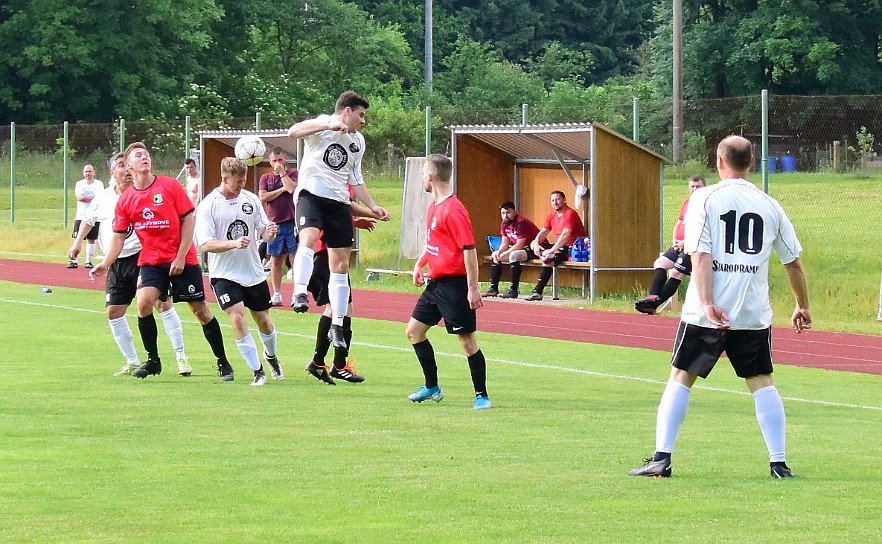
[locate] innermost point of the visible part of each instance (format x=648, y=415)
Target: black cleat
x=492, y=292
x=781, y=471
x=89, y=264
x=347, y=373
x=148, y=368
x=654, y=469
x=225, y=370
x=72, y=264
x=275, y=367
x=648, y=305
x=300, y=303
x=320, y=373
x=337, y=337
x=511, y=293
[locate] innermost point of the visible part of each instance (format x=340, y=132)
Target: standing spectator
x=517, y=233
x=194, y=181
x=674, y=259
x=122, y=276
x=228, y=223
x=566, y=225
x=731, y=230
x=334, y=148
x=85, y=190
x=160, y=213
x=276, y=190
x=452, y=290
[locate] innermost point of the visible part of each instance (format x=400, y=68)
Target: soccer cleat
x=511, y=293
x=654, y=469
x=276, y=300
x=275, y=368
x=259, y=378
x=492, y=292
x=126, y=370
x=337, y=337
x=89, y=264
x=320, y=373
x=184, y=368
x=347, y=373
x=72, y=264
x=148, y=368
x=225, y=370
x=648, y=305
x=482, y=403
x=424, y=393
x=781, y=471
x=300, y=303
x=533, y=296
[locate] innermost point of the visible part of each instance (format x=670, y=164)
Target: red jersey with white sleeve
x=449, y=232
x=680, y=229
x=519, y=229
x=569, y=219
x=155, y=215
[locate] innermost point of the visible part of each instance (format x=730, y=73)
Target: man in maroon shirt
x=517, y=232
x=452, y=291
x=276, y=191
x=160, y=212
x=566, y=225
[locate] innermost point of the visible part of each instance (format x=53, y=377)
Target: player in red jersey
x=160, y=212
x=452, y=290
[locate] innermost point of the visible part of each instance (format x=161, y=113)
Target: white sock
x=338, y=292
x=90, y=252
x=671, y=414
x=773, y=424
x=248, y=349
x=122, y=334
x=269, y=342
x=302, y=268
x=172, y=323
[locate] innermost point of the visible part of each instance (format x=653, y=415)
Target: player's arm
x=537, y=241
x=314, y=126
x=470, y=256
x=802, y=317
x=702, y=275
x=77, y=244
x=362, y=194
x=564, y=235
x=419, y=276
x=188, y=225
x=502, y=251
x=116, y=247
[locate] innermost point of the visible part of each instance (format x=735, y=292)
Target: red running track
x=817, y=349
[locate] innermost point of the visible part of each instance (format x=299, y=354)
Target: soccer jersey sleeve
x=459, y=225
x=697, y=235
x=786, y=245
x=205, y=224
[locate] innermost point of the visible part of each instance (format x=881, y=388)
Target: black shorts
x=93, y=234
x=682, y=261
x=697, y=350
x=447, y=297
x=185, y=287
x=330, y=216
x=230, y=293
x=560, y=257
x=321, y=276
x=122, y=281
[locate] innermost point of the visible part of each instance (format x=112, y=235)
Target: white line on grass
x=490, y=359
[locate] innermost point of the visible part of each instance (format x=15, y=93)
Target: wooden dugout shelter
x=621, y=210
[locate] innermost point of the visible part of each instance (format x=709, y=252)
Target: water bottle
x=586, y=250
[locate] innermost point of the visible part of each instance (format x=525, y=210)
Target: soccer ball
x=250, y=150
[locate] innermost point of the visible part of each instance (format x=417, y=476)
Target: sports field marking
x=489, y=359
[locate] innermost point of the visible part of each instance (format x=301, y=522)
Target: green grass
x=835, y=215
x=87, y=457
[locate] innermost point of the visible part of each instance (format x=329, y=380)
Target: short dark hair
x=278, y=151
x=507, y=206
x=737, y=153
x=350, y=99
x=441, y=165
x=699, y=178
x=561, y=193
x=189, y=161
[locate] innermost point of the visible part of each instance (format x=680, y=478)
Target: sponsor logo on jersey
x=336, y=156
x=353, y=147
x=157, y=199
x=247, y=208
x=147, y=214
x=237, y=229
x=735, y=268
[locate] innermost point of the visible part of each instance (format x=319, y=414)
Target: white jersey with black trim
x=84, y=188
x=222, y=218
x=331, y=162
x=102, y=210
x=739, y=226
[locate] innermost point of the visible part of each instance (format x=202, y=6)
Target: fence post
x=186, y=137
x=837, y=148
x=524, y=111
x=65, y=169
x=635, y=129
x=12, y=172
x=122, y=135
x=428, y=130
x=257, y=121
x=765, y=139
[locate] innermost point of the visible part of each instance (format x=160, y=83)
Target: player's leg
x=187, y=287
x=654, y=299
x=74, y=263
x=120, y=289
x=146, y=298
x=344, y=367
x=495, y=276
x=460, y=319
x=244, y=341
x=171, y=322
x=309, y=221
x=318, y=286
x=515, y=258
x=425, y=353
x=544, y=276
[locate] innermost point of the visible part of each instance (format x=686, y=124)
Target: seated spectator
x=673, y=259
x=517, y=233
x=566, y=225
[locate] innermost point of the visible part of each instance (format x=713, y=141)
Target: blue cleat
x=482, y=403
x=423, y=393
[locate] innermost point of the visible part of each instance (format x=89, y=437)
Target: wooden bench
x=583, y=267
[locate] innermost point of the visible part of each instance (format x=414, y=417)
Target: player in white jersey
x=122, y=278
x=731, y=230
x=85, y=190
x=331, y=162
x=228, y=222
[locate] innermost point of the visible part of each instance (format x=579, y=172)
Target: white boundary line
x=490, y=359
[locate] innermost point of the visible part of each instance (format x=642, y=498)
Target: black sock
x=478, y=368
x=659, y=455
x=669, y=289
x=495, y=274
x=212, y=333
x=659, y=276
x=544, y=276
x=322, y=344
x=341, y=354
x=515, y=274
x=426, y=356
x=147, y=328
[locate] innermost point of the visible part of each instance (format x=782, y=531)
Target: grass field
x=87, y=457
